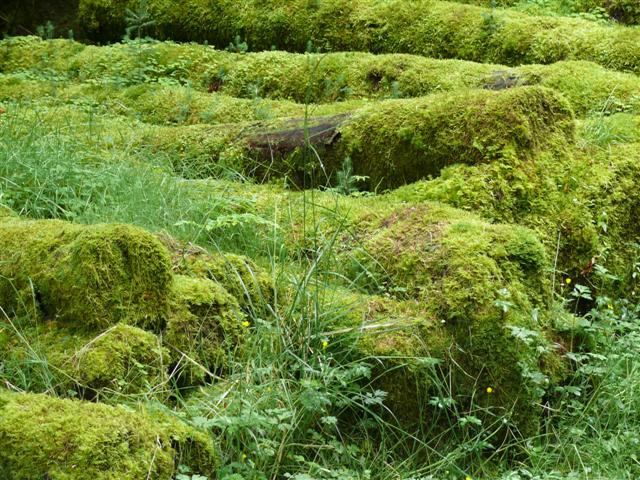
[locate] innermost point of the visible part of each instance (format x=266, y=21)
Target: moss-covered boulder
x=122, y=360
x=204, y=328
x=45, y=437
x=91, y=276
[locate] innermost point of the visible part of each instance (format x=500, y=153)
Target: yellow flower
x=610, y=307
x=325, y=344
x=244, y=457
x=489, y=390
x=568, y=281
x=468, y=478
x=245, y=323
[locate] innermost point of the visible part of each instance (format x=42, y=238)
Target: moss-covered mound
x=317, y=78
x=93, y=276
x=44, y=437
x=122, y=360
x=430, y=28
x=583, y=207
x=248, y=284
x=470, y=288
x=205, y=327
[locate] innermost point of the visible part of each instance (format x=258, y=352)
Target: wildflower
x=325, y=344
x=468, y=478
x=610, y=307
x=245, y=323
x=244, y=457
x=489, y=390
x=568, y=281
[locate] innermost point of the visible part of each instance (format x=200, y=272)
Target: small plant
x=139, y=19
x=46, y=31
x=238, y=45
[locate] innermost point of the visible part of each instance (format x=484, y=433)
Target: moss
x=250, y=285
x=206, y=325
x=457, y=272
x=316, y=78
x=85, y=276
x=460, y=269
x=581, y=205
x=402, y=141
x=44, y=437
x=431, y=28
x=391, y=143
x=123, y=360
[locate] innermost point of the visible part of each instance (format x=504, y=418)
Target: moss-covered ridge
x=316, y=78
x=45, y=437
x=391, y=143
x=430, y=28
x=624, y=11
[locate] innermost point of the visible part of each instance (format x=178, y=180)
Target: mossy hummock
x=468, y=286
x=45, y=437
x=204, y=328
x=122, y=360
x=85, y=276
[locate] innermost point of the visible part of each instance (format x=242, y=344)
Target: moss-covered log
x=45, y=437
x=623, y=11
x=424, y=27
x=393, y=143
x=87, y=276
x=280, y=75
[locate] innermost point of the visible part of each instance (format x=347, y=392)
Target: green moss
x=391, y=143
x=431, y=28
x=249, y=284
x=204, y=328
x=460, y=269
x=404, y=140
x=317, y=78
x=123, y=360
x=458, y=273
x=85, y=276
x=44, y=437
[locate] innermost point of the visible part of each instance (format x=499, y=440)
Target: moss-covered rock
x=469, y=286
x=122, y=360
x=204, y=328
x=44, y=437
x=85, y=276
